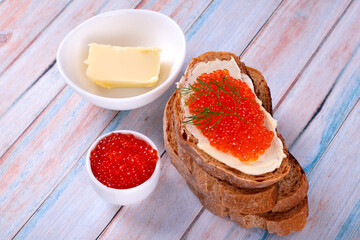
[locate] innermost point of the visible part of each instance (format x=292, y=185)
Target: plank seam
x=61, y=180
x=246, y=47
x=266, y=235
x=312, y=57
x=331, y=140
x=197, y=18
x=139, y=5
x=319, y=108
x=28, y=88
x=261, y=28
x=35, y=38
x=117, y=212
x=32, y=122
x=43, y=110
x=41, y=75
x=112, y=219
x=184, y=236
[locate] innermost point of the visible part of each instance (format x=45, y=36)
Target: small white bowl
x=130, y=195
x=126, y=28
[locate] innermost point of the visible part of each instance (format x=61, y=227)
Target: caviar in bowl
x=124, y=167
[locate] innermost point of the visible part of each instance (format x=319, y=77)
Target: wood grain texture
x=28, y=104
x=165, y=215
x=65, y=201
x=335, y=108
x=44, y=190
x=25, y=72
x=21, y=23
x=151, y=127
x=292, y=107
x=228, y=26
x=305, y=100
x=44, y=154
x=196, y=47
x=15, y=121
x=288, y=41
x=356, y=233
x=328, y=213
x=46, y=219
x=101, y=117
x=209, y=226
x=178, y=10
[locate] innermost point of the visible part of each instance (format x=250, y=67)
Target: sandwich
x=220, y=135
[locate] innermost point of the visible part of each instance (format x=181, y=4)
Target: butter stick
x=112, y=66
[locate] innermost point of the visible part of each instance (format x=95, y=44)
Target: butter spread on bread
x=272, y=157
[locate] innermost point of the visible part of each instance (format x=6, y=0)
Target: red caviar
x=226, y=111
x=123, y=161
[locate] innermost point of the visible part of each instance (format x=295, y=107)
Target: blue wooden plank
x=149, y=118
x=334, y=194
x=337, y=105
x=49, y=147
x=333, y=64
x=351, y=222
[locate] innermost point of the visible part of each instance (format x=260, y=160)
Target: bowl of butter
x=122, y=59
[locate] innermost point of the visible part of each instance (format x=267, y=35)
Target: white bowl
x=130, y=195
x=131, y=28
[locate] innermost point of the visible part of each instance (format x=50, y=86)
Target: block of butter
x=112, y=66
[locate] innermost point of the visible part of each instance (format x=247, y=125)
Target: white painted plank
x=282, y=49
x=22, y=74
x=42, y=128
x=334, y=185
x=345, y=92
x=20, y=24
x=315, y=82
x=148, y=121
x=305, y=98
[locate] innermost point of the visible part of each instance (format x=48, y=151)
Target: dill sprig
x=206, y=115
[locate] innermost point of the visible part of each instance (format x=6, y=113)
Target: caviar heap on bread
x=221, y=137
x=229, y=121
x=225, y=110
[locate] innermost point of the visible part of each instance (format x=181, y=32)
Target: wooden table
x=307, y=50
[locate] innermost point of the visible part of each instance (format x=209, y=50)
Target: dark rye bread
x=291, y=219
x=292, y=189
x=278, y=197
x=219, y=169
x=281, y=223
x=286, y=199
x=245, y=200
x=208, y=163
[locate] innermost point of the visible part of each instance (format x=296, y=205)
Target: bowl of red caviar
x=124, y=166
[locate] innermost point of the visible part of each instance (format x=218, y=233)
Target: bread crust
x=292, y=189
x=205, y=161
x=280, y=207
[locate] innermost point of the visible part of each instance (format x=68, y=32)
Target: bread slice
x=292, y=218
x=208, y=163
x=246, y=200
x=281, y=223
x=282, y=196
x=280, y=207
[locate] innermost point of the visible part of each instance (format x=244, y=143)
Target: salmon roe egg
x=226, y=111
x=123, y=161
